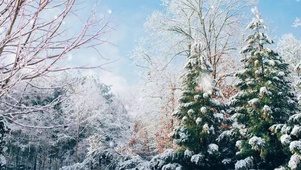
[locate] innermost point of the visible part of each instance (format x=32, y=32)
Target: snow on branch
x=297, y=23
x=34, y=43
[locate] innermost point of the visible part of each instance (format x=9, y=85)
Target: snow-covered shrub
x=203, y=110
x=285, y=139
x=256, y=142
x=226, y=161
x=197, y=159
x=212, y=148
x=167, y=157
x=238, y=144
x=172, y=166
x=109, y=159
x=295, y=147
x=188, y=153
x=198, y=120
x=225, y=134
x=295, y=117
x=205, y=129
x=244, y=164
x=133, y=162
x=294, y=162
x=296, y=131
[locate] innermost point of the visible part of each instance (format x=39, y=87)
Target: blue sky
x=280, y=15
x=128, y=17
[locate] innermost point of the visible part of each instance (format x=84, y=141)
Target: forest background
x=83, y=97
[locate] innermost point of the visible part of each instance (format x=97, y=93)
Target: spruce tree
x=265, y=99
x=198, y=114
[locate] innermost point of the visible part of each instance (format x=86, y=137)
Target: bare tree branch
x=34, y=42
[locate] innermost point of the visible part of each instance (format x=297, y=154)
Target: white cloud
x=118, y=84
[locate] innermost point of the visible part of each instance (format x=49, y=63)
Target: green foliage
x=265, y=99
x=198, y=125
x=199, y=115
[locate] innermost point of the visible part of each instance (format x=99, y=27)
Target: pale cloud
x=111, y=73
x=119, y=85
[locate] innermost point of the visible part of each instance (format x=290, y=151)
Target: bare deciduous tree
x=35, y=37
x=215, y=23
x=170, y=34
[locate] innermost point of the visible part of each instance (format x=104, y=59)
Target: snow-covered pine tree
x=265, y=99
x=198, y=114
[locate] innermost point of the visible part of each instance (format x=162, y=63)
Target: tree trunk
x=35, y=162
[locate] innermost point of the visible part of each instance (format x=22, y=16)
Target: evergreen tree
x=198, y=114
x=265, y=99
